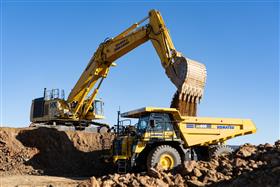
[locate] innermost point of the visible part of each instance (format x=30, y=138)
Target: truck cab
x=155, y=127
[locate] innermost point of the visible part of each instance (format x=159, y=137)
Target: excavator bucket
x=189, y=77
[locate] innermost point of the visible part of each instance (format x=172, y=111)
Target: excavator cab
x=52, y=108
x=98, y=108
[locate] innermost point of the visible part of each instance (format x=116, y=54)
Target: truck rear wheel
x=220, y=150
x=165, y=155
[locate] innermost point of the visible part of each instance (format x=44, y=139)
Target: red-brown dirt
x=27, y=153
x=51, y=152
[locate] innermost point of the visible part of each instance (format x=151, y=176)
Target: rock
x=246, y=151
x=240, y=162
x=135, y=183
x=220, y=175
x=204, y=170
x=81, y=185
x=195, y=183
x=152, y=172
x=143, y=181
x=94, y=182
x=108, y=183
x=268, y=146
x=116, y=177
x=211, y=176
x=160, y=183
x=178, y=180
x=254, y=166
x=214, y=163
x=189, y=166
x=196, y=172
x=277, y=144
x=194, y=178
x=159, y=167
x=167, y=179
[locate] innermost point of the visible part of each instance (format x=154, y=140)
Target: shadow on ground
x=58, y=156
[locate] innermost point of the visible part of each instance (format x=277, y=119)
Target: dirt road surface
x=42, y=181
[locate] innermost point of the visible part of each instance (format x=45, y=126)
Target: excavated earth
x=49, y=157
x=48, y=151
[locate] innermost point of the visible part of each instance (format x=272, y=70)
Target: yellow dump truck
x=163, y=136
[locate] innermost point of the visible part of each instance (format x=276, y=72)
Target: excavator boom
x=187, y=75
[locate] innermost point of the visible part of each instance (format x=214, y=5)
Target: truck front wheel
x=165, y=155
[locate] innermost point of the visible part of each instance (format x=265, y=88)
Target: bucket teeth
x=189, y=77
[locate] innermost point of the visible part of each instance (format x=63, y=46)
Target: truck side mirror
x=152, y=123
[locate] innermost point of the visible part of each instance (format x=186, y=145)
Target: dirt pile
x=46, y=151
x=51, y=152
x=248, y=166
x=186, y=106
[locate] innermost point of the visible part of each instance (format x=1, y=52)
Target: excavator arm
x=187, y=75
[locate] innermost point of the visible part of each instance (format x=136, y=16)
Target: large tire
x=220, y=150
x=167, y=156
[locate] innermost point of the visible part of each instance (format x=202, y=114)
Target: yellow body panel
x=119, y=157
x=205, y=131
x=166, y=135
x=140, y=147
x=142, y=111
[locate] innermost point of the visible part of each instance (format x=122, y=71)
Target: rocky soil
x=71, y=154
x=248, y=166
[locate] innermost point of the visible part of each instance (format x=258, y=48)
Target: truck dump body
x=205, y=131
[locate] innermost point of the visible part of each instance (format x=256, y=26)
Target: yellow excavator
x=81, y=108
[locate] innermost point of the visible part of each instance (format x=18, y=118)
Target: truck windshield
x=143, y=124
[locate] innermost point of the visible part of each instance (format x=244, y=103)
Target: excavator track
x=189, y=77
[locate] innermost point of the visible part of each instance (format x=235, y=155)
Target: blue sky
x=49, y=44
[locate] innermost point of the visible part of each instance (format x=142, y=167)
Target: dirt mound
x=51, y=152
x=248, y=166
x=187, y=107
x=48, y=151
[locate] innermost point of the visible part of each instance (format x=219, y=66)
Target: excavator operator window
x=98, y=107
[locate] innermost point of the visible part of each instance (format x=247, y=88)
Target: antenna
x=118, y=122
